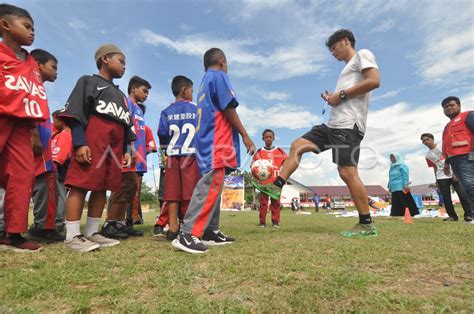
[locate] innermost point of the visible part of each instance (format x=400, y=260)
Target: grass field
x=305, y=266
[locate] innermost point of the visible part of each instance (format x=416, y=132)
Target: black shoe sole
x=120, y=236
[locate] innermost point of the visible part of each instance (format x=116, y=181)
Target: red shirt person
x=276, y=156
x=458, y=147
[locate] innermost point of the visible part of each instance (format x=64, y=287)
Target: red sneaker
x=20, y=244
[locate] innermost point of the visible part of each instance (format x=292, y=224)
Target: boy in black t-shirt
x=98, y=115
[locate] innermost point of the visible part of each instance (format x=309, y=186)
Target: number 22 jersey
x=177, y=128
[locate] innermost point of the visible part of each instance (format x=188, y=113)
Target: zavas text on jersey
x=112, y=109
x=22, y=83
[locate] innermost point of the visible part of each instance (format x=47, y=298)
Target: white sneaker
x=103, y=241
x=80, y=244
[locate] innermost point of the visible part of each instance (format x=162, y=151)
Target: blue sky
x=278, y=63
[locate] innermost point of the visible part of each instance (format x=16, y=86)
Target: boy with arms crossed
x=345, y=129
x=97, y=113
x=217, y=149
x=23, y=103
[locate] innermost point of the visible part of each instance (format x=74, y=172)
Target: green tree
x=147, y=194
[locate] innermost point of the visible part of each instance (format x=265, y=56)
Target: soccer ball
x=262, y=170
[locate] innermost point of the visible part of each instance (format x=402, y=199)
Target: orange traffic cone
x=442, y=212
x=407, y=219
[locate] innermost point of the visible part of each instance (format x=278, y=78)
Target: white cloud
x=447, y=55
x=283, y=62
x=384, y=26
x=78, y=25
x=388, y=94
x=277, y=116
x=185, y=27
x=279, y=96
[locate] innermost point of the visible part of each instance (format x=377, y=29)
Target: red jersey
x=21, y=87
x=61, y=143
x=275, y=155
x=150, y=141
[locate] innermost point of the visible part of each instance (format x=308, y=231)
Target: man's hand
x=127, y=160
x=36, y=142
x=83, y=155
x=249, y=144
x=331, y=98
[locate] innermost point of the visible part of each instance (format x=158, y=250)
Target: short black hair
x=431, y=136
x=450, y=98
x=268, y=130
x=137, y=81
x=212, y=57
x=42, y=56
x=179, y=82
x=8, y=9
x=339, y=35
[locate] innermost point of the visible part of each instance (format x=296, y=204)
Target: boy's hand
x=83, y=155
x=133, y=154
x=249, y=144
x=36, y=143
x=331, y=98
x=127, y=160
x=446, y=169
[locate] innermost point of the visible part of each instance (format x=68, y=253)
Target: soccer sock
x=73, y=228
x=365, y=219
x=92, y=226
x=279, y=182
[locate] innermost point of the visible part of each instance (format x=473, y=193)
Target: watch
x=342, y=95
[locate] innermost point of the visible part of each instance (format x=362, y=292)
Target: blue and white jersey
x=177, y=128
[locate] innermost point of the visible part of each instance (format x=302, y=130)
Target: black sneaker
x=276, y=225
x=262, y=225
x=61, y=229
x=55, y=236
x=131, y=231
x=158, y=231
x=39, y=235
x=468, y=219
x=170, y=235
x=216, y=238
x=188, y=243
x=114, y=230
x=450, y=219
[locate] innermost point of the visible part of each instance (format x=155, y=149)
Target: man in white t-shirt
x=435, y=160
x=345, y=129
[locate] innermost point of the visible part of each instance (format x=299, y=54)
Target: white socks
x=92, y=226
x=73, y=228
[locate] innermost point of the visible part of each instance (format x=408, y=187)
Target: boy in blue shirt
x=217, y=149
x=176, y=133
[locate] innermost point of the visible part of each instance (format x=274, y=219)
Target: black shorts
x=345, y=143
